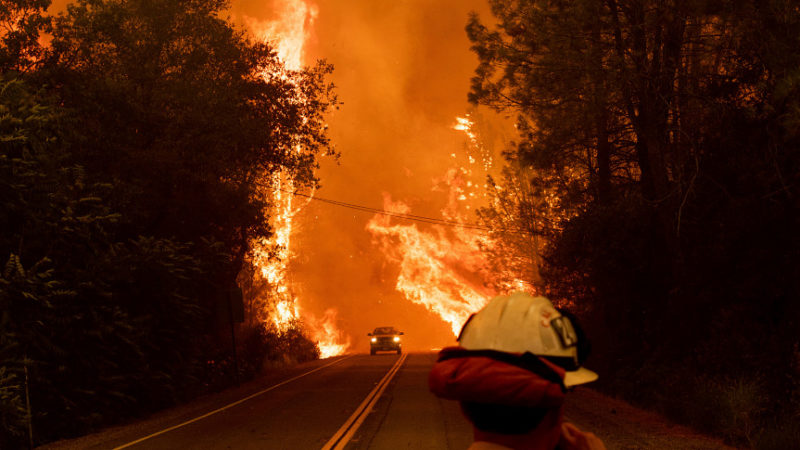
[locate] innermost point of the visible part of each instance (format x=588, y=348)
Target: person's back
x=517, y=358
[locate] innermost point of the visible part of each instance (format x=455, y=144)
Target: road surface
x=361, y=402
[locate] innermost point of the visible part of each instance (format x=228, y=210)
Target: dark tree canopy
x=22, y=23
x=669, y=132
x=136, y=146
x=186, y=111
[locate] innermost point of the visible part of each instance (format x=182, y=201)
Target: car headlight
x=397, y=338
x=374, y=340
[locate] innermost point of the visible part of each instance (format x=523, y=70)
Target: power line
x=395, y=214
x=414, y=217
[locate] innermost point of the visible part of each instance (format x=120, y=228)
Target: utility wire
x=414, y=217
x=424, y=219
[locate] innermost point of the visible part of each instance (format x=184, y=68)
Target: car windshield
x=384, y=330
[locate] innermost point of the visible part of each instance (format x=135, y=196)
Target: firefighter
x=516, y=359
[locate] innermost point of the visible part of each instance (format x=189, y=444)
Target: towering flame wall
x=280, y=306
x=402, y=70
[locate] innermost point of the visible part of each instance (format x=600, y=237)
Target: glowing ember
x=288, y=36
x=475, y=150
x=465, y=124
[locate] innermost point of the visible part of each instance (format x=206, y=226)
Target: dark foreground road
x=361, y=402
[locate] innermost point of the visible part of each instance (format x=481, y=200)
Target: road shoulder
x=623, y=426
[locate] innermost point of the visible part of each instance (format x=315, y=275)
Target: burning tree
x=273, y=301
x=448, y=266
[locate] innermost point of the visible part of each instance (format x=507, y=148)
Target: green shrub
x=729, y=407
x=267, y=344
x=781, y=435
x=733, y=408
x=12, y=408
x=259, y=347
x=783, y=431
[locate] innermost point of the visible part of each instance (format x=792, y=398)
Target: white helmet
x=520, y=323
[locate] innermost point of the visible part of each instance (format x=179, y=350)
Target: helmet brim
x=580, y=376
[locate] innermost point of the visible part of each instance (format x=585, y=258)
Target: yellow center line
x=230, y=405
x=346, y=432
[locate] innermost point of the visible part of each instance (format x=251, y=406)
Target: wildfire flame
x=440, y=270
x=288, y=36
x=331, y=341
x=444, y=268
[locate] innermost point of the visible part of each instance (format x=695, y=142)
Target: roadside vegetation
x=132, y=136
x=657, y=166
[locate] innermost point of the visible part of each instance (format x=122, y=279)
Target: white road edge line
x=346, y=432
x=230, y=405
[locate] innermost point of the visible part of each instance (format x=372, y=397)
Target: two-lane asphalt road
x=346, y=402
x=311, y=411
x=361, y=402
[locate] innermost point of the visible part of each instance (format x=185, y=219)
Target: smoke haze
x=402, y=71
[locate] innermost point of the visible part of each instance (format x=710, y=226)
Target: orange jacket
x=470, y=376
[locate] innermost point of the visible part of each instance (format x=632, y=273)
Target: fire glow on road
x=346, y=432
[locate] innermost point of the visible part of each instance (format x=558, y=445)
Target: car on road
x=385, y=339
